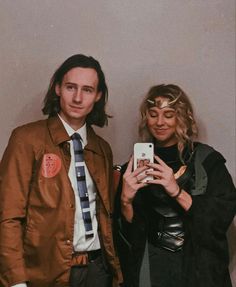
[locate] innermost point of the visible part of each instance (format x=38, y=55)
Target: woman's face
x=161, y=123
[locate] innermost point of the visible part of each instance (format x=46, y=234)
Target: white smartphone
x=143, y=154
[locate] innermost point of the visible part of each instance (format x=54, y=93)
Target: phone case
x=143, y=154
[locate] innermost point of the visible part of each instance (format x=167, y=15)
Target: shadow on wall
x=31, y=111
x=202, y=130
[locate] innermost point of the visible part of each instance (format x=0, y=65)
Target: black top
x=170, y=155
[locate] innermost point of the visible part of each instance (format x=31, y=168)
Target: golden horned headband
x=163, y=103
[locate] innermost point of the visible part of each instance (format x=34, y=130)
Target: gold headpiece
x=163, y=103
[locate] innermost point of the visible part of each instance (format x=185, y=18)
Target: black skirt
x=165, y=267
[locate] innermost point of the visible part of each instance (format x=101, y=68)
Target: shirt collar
x=82, y=131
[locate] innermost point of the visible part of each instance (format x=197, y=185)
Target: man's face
x=78, y=94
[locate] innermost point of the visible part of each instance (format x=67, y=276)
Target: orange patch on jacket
x=51, y=165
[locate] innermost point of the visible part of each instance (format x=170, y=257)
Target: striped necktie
x=81, y=184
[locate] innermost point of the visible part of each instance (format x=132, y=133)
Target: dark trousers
x=91, y=275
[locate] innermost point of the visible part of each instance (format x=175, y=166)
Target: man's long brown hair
x=52, y=106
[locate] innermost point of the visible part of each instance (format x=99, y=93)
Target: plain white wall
x=139, y=43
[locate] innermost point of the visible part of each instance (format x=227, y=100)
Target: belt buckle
x=80, y=259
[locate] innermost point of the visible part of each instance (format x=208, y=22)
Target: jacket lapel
x=97, y=166
x=57, y=131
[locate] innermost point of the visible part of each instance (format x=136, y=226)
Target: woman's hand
x=132, y=182
x=164, y=176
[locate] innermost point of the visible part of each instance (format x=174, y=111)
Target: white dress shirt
x=80, y=242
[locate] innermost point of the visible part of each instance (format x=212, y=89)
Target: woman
x=176, y=222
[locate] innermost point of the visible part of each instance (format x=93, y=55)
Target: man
x=56, y=189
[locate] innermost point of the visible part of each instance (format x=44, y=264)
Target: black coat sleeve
x=129, y=240
x=207, y=221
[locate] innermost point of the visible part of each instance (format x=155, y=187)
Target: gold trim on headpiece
x=161, y=104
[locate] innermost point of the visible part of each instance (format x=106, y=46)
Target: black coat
x=205, y=249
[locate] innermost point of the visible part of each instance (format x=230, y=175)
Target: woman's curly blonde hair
x=186, y=128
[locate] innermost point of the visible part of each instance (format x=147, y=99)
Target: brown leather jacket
x=37, y=204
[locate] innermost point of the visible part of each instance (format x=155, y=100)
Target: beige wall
x=139, y=43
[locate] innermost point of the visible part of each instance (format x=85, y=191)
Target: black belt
x=83, y=258
x=94, y=254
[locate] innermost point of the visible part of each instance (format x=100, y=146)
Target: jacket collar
x=93, y=141
x=59, y=135
x=57, y=130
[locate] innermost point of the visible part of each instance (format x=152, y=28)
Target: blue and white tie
x=81, y=184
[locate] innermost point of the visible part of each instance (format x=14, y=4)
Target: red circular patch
x=51, y=165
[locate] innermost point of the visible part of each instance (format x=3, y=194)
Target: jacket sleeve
x=15, y=176
x=128, y=231
x=212, y=212
x=129, y=239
